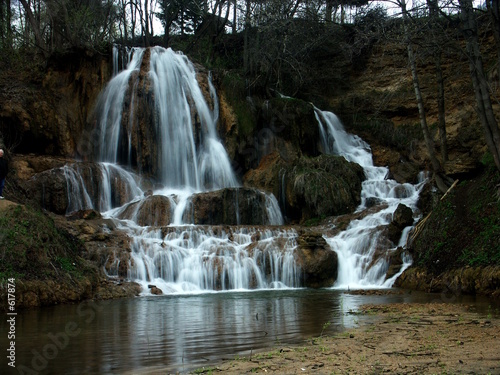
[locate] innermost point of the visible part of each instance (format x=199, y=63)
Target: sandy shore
x=395, y=339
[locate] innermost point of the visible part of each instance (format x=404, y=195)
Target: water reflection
x=177, y=332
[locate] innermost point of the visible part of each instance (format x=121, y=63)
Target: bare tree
x=493, y=7
x=36, y=28
x=442, y=182
x=436, y=48
x=479, y=80
x=6, y=38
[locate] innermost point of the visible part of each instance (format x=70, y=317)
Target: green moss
x=234, y=89
x=32, y=248
x=464, y=228
x=400, y=137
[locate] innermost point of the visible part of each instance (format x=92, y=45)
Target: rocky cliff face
x=272, y=142
x=46, y=113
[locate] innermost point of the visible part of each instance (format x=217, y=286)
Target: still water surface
x=182, y=332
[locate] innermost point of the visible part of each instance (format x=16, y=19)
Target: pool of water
x=178, y=333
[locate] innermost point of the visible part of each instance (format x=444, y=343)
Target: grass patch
x=32, y=248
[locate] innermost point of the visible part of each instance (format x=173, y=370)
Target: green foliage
x=464, y=228
x=314, y=221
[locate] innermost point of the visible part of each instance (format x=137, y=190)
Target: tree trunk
x=479, y=81
x=429, y=143
x=132, y=20
x=40, y=43
x=494, y=11
x=246, y=54
x=441, y=108
x=124, y=20
x=145, y=22
x=328, y=11
x=434, y=16
x=235, y=9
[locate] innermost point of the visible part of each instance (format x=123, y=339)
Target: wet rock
x=155, y=210
x=155, y=290
x=402, y=218
x=465, y=280
x=232, y=206
x=35, y=293
x=395, y=262
x=77, y=187
x=372, y=201
x=85, y=214
x=110, y=289
x=317, y=260
x=48, y=190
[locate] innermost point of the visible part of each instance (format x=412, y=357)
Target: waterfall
x=200, y=259
x=154, y=117
x=356, y=246
x=99, y=186
x=196, y=229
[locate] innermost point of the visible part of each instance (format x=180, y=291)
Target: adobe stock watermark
x=57, y=342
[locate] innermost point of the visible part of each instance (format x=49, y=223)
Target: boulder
x=395, y=262
x=308, y=188
x=48, y=190
x=85, y=214
x=463, y=280
x=155, y=210
x=155, y=290
x=402, y=218
x=231, y=206
x=317, y=260
x=79, y=187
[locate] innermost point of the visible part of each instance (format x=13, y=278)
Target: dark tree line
x=280, y=39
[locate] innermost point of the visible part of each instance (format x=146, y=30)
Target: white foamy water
x=180, y=257
x=356, y=247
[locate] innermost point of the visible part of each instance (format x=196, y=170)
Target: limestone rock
x=155, y=210
x=465, y=280
x=155, y=290
x=231, y=206
x=322, y=186
x=317, y=260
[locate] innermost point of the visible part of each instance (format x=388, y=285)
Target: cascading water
x=99, y=186
x=356, y=246
x=157, y=97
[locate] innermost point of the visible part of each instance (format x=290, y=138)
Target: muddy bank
x=396, y=339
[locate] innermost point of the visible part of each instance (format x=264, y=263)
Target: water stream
x=356, y=246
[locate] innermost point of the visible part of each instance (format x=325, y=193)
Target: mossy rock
x=323, y=186
x=38, y=254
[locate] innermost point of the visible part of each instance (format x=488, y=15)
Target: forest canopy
x=275, y=45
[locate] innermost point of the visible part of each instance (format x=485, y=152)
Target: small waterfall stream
x=186, y=228
x=357, y=245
